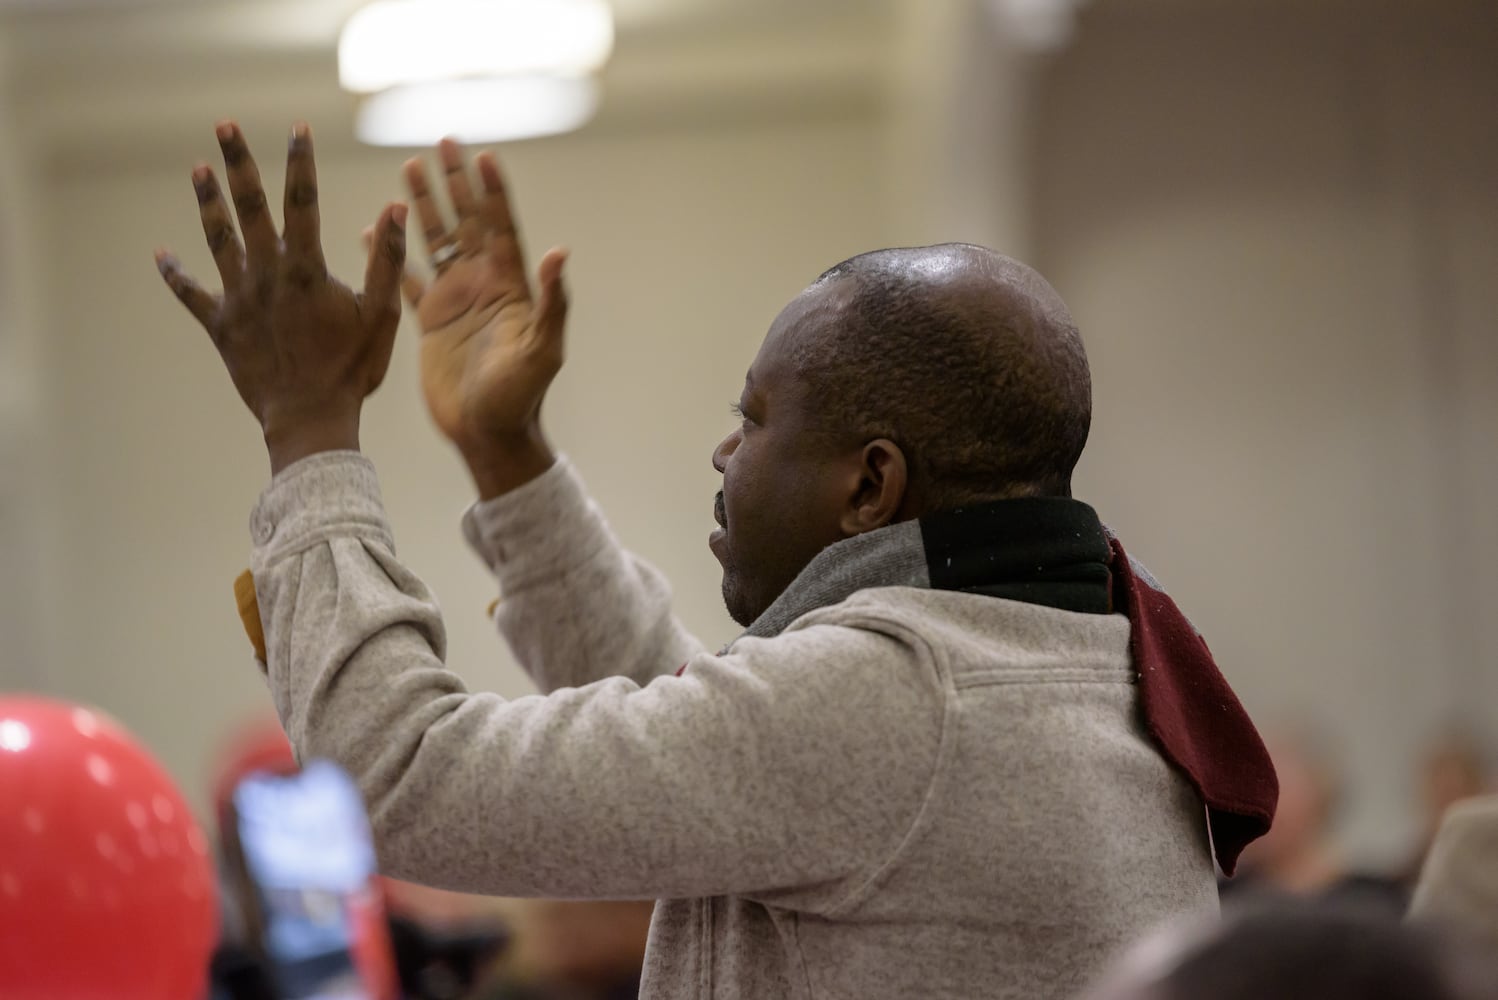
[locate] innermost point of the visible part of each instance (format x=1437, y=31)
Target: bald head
x=965, y=358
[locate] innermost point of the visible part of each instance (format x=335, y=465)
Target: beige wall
x=20, y=398
x=1278, y=235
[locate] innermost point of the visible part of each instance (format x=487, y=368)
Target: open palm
x=489, y=347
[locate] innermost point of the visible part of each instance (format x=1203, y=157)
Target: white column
x=22, y=464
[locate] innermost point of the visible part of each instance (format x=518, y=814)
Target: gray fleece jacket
x=907, y=793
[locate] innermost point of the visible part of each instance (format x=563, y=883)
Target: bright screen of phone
x=307, y=848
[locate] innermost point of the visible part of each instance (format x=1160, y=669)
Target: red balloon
x=106, y=883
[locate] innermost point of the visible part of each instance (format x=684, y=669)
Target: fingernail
x=299, y=133
x=398, y=215
x=200, y=174
x=224, y=130
x=165, y=262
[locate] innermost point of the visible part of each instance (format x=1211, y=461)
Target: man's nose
x=725, y=448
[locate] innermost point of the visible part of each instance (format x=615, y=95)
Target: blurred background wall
x=1274, y=219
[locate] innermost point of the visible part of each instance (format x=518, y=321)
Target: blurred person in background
x=1298, y=950
x=925, y=768
x=1454, y=768
x=1299, y=856
x=1459, y=882
x=572, y=950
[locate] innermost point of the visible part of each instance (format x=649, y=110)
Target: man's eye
x=737, y=409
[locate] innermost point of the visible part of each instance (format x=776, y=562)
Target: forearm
x=575, y=607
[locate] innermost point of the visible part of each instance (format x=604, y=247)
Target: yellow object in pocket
x=249, y=613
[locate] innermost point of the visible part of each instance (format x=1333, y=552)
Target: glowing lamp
x=478, y=70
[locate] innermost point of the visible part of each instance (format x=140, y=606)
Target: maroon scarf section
x=1193, y=715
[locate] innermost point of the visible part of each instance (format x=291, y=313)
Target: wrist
x=500, y=464
x=290, y=442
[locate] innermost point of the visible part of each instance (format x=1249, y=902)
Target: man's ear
x=880, y=495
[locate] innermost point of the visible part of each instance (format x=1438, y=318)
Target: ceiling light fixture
x=479, y=70
x=1038, y=25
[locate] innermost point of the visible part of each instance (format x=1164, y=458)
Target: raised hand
x=302, y=348
x=489, y=347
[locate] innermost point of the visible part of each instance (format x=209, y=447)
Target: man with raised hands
x=964, y=747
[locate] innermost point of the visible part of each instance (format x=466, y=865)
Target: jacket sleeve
x=795, y=765
x=574, y=606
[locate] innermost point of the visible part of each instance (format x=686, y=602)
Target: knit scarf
x=1056, y=553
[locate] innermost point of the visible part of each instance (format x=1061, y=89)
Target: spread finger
x=428, y=215
x=502, y=241
x=302, y=237
x=261, y=243
x=198, y=301
x=218, y=227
